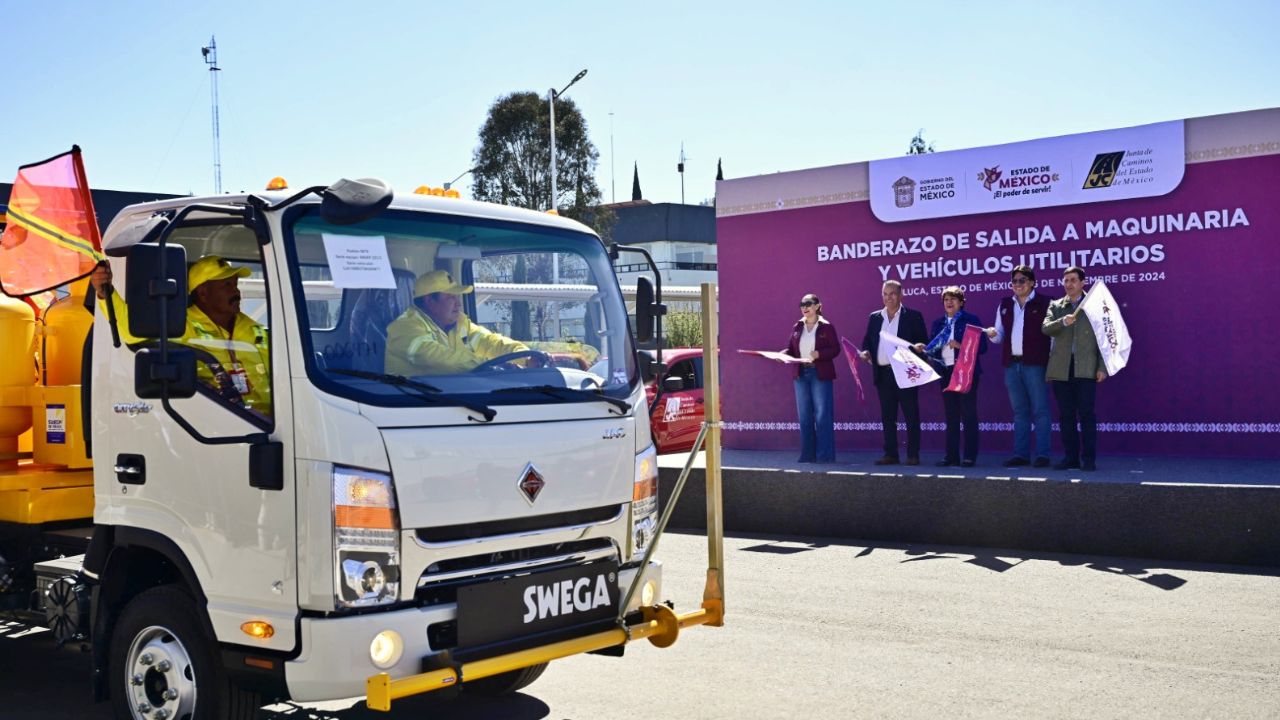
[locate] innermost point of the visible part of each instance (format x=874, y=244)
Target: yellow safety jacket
x=416, y=345
x=242, y=374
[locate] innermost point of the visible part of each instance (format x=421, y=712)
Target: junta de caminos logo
x=1103, y=171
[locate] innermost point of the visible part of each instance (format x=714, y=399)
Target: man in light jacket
x=1075, y=369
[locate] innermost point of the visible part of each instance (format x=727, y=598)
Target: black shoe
x=1089, y=466
x=1041, y=462
x=805, y=460
x=887, y=460
x=912, y=461
x=1067, y=464
x=968, y=463
x=1016, y=462
x=946, y=462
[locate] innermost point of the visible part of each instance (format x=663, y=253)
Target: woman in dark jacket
x=815, y=341
x=944, y=350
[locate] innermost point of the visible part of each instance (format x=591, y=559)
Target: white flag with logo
x=1108, y=327
x=909, y=369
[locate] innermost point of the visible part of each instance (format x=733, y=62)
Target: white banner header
x=1136, y=162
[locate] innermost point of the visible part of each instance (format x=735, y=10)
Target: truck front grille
x=441, y=580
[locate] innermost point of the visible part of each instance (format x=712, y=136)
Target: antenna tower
x=211, y=59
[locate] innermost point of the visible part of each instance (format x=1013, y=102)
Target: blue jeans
x=1029, y=396
x=814, y=399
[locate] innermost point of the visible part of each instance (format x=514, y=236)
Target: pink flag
x=851, y=354
x=962, y=371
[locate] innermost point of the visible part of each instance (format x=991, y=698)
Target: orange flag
x=52, y=233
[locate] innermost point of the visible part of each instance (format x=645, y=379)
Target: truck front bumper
x=335, y=660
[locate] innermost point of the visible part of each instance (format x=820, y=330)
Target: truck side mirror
x=672, y=383
x=647, y=367
x=154, y=378
x=145, y=285
x=644, y=310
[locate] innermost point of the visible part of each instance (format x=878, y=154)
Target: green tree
x=683, y=328
x=635, y=184
x=513, y=159
x=918, y=146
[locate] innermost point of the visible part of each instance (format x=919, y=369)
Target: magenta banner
x=1190, y=269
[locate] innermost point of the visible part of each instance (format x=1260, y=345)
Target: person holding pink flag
x=954, y=350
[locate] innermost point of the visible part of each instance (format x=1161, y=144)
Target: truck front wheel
x=162, y=667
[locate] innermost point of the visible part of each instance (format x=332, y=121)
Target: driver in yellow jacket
x=240, y=372
x=434, y=337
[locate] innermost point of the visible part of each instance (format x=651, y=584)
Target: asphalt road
x=842, y=630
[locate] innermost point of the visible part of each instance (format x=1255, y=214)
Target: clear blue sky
x=399, y=90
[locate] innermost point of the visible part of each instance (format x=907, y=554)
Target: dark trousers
x=961, y=406
x=1075, y=404
x=891, y=398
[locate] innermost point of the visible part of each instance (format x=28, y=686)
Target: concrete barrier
x=1188, y=522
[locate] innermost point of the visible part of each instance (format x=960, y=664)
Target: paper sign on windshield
x=359, y=261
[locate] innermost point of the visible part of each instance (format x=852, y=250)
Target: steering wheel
x=503, y=361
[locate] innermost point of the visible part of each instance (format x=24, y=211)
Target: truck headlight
x=644, y=500
x=366, y=538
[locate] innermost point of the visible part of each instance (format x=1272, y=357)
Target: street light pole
x=551, y=102
x=455, y=180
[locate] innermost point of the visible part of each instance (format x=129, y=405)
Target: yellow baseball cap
x=438, y=281
x=212, y=267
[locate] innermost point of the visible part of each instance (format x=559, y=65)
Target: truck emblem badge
x=531, y=483
x=614, y=433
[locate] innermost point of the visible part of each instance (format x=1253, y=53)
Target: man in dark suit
x=907, y=324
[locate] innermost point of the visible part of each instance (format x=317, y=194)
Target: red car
x=677, y=416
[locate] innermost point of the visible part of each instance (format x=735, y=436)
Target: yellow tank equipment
x=64, y=327
x=52, y=483
x=17, y=376
x=57, y=429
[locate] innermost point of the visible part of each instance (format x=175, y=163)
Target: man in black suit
x=907, y=324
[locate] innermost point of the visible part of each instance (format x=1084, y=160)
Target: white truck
x=354, y=531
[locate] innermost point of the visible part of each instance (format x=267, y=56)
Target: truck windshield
x=416, y=308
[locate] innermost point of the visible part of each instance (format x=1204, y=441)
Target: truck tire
x=161, y=659
x=506, y=683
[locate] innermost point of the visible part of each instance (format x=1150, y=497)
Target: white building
x=681, y=239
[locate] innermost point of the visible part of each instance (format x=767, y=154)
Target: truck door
x=155, y=476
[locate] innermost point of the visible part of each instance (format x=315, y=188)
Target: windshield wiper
x=566, y=393
x=419, y=389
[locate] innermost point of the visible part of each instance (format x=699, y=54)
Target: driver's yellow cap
x=438, y=281
x=212, y=267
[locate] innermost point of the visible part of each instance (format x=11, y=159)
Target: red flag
x=962, y=371
x=851, y=354
x=52, y=233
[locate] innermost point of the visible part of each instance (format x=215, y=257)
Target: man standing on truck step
x=240, y=369
x=434, y=337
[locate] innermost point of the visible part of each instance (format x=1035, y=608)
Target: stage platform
x=1203, y=510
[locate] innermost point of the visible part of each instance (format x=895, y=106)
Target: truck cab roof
x=129, y=226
